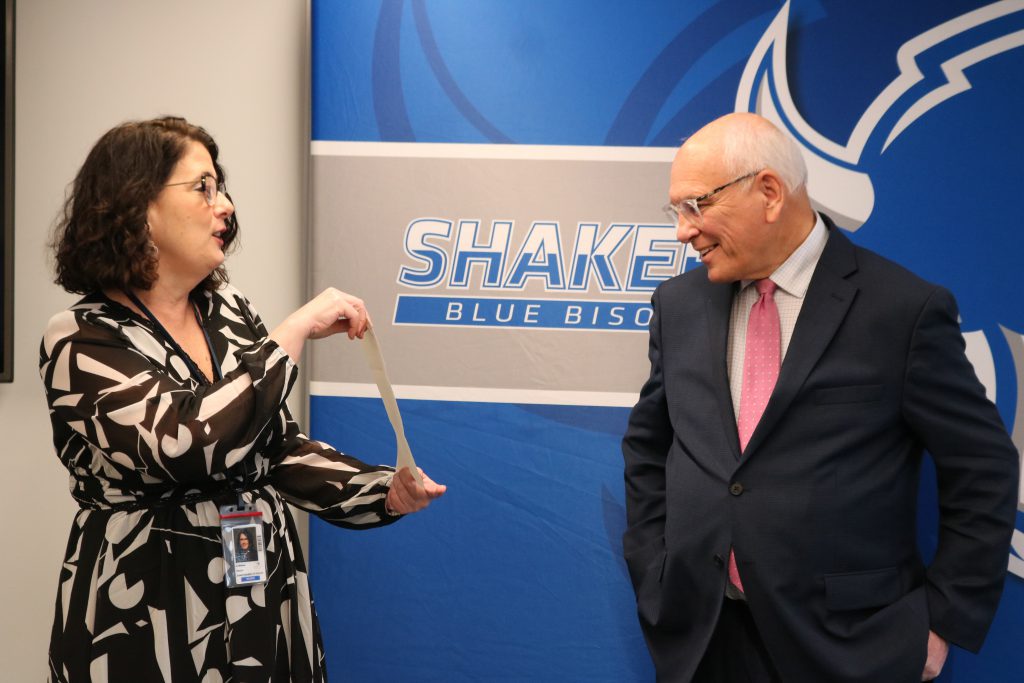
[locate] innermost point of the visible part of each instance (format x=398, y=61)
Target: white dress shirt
x=792, y=278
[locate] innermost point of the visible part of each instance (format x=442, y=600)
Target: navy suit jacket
x=821, y=507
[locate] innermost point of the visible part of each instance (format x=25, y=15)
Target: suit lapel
x=718, y=308
x=828, y=299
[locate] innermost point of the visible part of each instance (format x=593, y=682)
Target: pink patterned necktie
x=760, y=371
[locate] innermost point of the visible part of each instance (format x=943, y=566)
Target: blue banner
x=488, y=176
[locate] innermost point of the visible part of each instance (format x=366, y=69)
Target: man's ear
x=772, y=193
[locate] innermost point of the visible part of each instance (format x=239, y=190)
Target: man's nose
x=685, y=231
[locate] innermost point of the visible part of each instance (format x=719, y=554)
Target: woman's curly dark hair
x=101, y=240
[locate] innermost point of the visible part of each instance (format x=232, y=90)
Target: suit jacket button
x=719, y=561
x=736, y=489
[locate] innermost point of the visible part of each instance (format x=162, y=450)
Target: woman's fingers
x=407, y=496
x=330, y=312
x=431, y=487
x=334, y=311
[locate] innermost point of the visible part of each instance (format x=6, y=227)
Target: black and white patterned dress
x=152, y=455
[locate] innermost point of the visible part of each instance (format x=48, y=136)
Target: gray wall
x=236, y=67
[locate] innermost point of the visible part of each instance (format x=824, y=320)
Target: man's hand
x=938, y=650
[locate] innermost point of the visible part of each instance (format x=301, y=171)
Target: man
x=771, y=511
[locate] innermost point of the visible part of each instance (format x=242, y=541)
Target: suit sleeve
x=977, y=470
x=645, y=449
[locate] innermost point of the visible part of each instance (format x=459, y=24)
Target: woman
x=244, y=550
x=167, y=399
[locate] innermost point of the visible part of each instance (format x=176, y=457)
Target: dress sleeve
x=336, y=487
x=100, y=385
x=313, y=476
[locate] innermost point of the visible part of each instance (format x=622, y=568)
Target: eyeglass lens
x=683, y=211
x=211, y=188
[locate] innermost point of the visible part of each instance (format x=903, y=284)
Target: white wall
x=236, y=67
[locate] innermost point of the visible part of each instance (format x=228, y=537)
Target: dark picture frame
x=7, y=200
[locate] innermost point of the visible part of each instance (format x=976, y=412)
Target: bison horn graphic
x=927, y=77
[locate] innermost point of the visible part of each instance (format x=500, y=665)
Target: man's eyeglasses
x=689, y=209
x=206, y=184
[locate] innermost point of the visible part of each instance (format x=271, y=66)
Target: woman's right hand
x=330, y=312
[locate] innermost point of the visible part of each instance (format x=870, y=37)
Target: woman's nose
x=223, y=206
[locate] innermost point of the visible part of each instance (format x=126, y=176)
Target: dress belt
x=176, y=497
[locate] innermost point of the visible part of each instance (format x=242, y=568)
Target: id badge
x=241, y=536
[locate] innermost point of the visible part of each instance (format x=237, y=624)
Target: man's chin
x=718, y=275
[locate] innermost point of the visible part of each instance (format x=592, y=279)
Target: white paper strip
x=375, y=359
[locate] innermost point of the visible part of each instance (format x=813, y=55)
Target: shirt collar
x=794, y=275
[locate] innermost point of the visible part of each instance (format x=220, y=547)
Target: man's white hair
x=753, y=148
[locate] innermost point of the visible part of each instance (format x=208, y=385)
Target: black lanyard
x=247, y=480
x=192, y=367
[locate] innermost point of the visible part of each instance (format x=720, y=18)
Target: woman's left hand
x=407, y=496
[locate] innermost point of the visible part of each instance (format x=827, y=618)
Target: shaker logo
x=611, y=270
